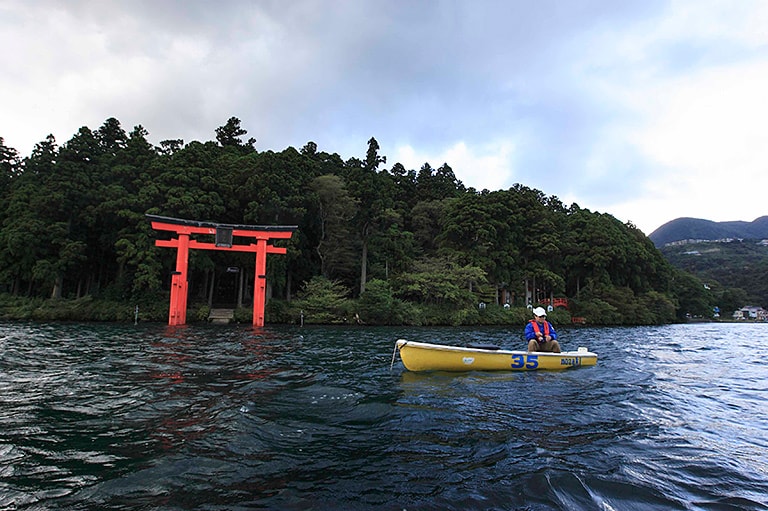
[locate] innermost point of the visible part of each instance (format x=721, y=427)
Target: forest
x=380, y=245
x=741, y=262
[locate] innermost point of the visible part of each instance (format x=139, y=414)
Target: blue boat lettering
x=525, y=361
x=570, y=361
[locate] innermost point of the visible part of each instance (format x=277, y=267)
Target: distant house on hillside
x=691, y=241
x=751, y=312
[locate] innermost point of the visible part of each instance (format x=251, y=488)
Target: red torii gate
x=223, y=241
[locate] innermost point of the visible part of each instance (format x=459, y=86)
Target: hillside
x=392, y=245
x=738, y=266
x=699, y=229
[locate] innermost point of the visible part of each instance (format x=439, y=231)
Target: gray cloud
x=571, y=87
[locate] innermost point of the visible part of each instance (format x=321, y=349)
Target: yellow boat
x=422, y=356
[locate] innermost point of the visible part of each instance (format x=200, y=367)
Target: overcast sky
x=647, y=110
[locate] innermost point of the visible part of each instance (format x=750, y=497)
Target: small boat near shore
x=422, y=356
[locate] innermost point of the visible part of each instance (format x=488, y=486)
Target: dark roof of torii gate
x=214, y=225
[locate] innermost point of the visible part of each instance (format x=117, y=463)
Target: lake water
x=107, y=417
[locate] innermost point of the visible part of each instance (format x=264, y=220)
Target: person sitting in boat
x=540, y=333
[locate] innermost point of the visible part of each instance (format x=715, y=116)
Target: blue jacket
x=530, y=333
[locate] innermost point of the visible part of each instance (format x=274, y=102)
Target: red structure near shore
x=557, y=302
x=224, y=235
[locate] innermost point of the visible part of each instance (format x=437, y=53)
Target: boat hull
x=421, y=356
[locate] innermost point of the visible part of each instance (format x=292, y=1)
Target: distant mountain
x=698, y=229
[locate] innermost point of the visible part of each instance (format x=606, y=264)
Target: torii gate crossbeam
x=224, y=234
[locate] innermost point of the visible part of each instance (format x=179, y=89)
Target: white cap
x=539, y=311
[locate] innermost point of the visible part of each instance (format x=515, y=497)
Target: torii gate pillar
x=260, y=283
x=180, y=283
x=224, y=233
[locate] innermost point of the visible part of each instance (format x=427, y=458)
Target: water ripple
x=151, y=417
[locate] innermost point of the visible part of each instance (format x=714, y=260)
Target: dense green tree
x=535, y=233
x=192, y=189
x=378, y=305
x=10, y=167
x=31, y=230
x=374, y=195
x=322, y=300
x=129, y=191
x=439, y=281
x=437, y=184
x=393, y=250
x=427, y=219
x=693, y=297
x=72, y=223
x=10, y=170
x=730, y=300
x=273, y=189
x=405, y=189
x=594, y=249
x=335, y=210
x=168, y=147
x=229, y=135
x=658, y=306
x=478, y=231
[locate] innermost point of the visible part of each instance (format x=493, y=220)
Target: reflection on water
x=209, y=417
